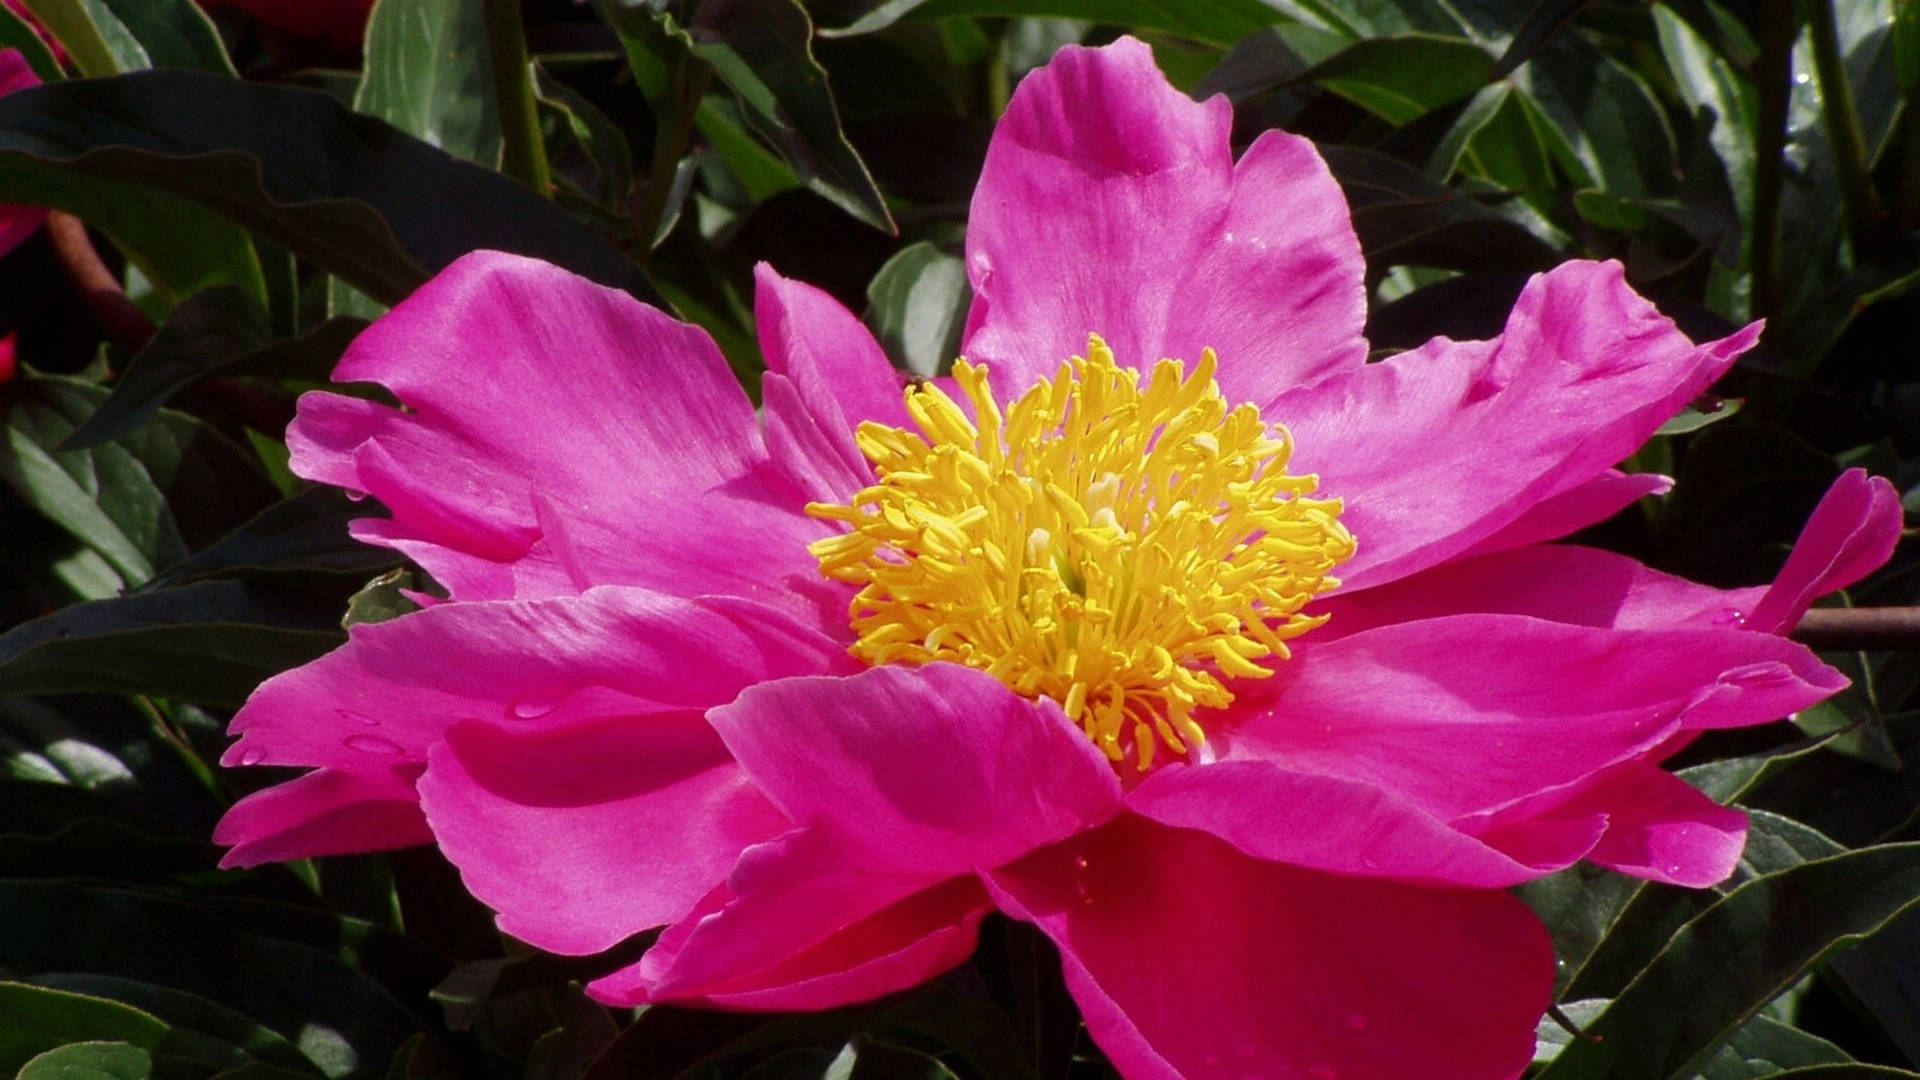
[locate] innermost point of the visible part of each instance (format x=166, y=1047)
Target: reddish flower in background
x=337, y=22
x=17, y=222
x=1256, y=724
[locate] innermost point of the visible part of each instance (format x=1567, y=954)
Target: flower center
x=1123, y=550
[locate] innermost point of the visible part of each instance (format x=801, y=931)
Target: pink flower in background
x=1256, y=724
x=337, y=22
x=17, y=222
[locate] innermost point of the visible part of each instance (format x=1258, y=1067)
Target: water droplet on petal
x=372, y=744
x=1730, y=617
x=1356, y=1021
x=1320, y=1070
x=252, y=755
x=1369, y=862
x=533, y=708
x=357, y=717
x=354, y=494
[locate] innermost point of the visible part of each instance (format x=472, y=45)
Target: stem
x=119, y=318
x=1773, y=72
x=1860, y=629
x=523, y=155
x=1843, y=124
x=688, y=79
x=1909, y=219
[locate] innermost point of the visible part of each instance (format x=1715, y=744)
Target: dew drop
x=1356, y=1021
x=1320, y=1070
x=1080, y=862
x=1369, y=862
x=354, y=494
x=357, y=717
x=372, y=744
x=252, y=755
x=1730, y=617
x=532, y=709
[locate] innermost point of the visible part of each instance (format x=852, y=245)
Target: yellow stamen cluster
x=1123, y=550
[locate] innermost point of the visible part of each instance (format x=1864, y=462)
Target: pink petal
x=901, y=945
x=1576, y=508
x=558, y=432
x=839, y=373
x=1658, y=826
x=1851, y=533
x=584, y=836
x=1110, y=203
x=1440, y=448
x=1329, y=823
x=901, y=779
x=1560, y=582
x=1191, y=960
x=326, y=812
x=933, y=770
x=392, y=691
x=1468, y=713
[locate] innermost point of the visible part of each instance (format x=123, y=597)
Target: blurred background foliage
x=242, y=193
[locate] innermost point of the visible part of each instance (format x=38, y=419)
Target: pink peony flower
x=17, y=222
x=1248, y=679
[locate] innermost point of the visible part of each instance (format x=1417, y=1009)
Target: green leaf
x=98, y=47
x=1906, y=48
x=359, y=199
x=1706, y=80
x=381, y=599
x=210, y=642
x=763, y=52
x=1767, y=1047
x=1216, y=22
x=918, y=307
x=1402, y=78
x=1404, y=218
x=124, y=499
x=1652, y=913
x=1544, y=20
x=301, y=535
x=1599, y=119
x=339, y=1018
x=1696, y=416
x=427, y=74
x=106, y=747
x=35, y=1019
x=207, y=1025
x=169, y=33
x=222, y=331
x=870, y=1059
x=90, y=1061
x=598, y=137
x=1736, y=956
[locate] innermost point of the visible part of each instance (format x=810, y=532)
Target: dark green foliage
x=1743, y=160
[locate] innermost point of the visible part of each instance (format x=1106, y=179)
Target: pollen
x=1129, y=551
